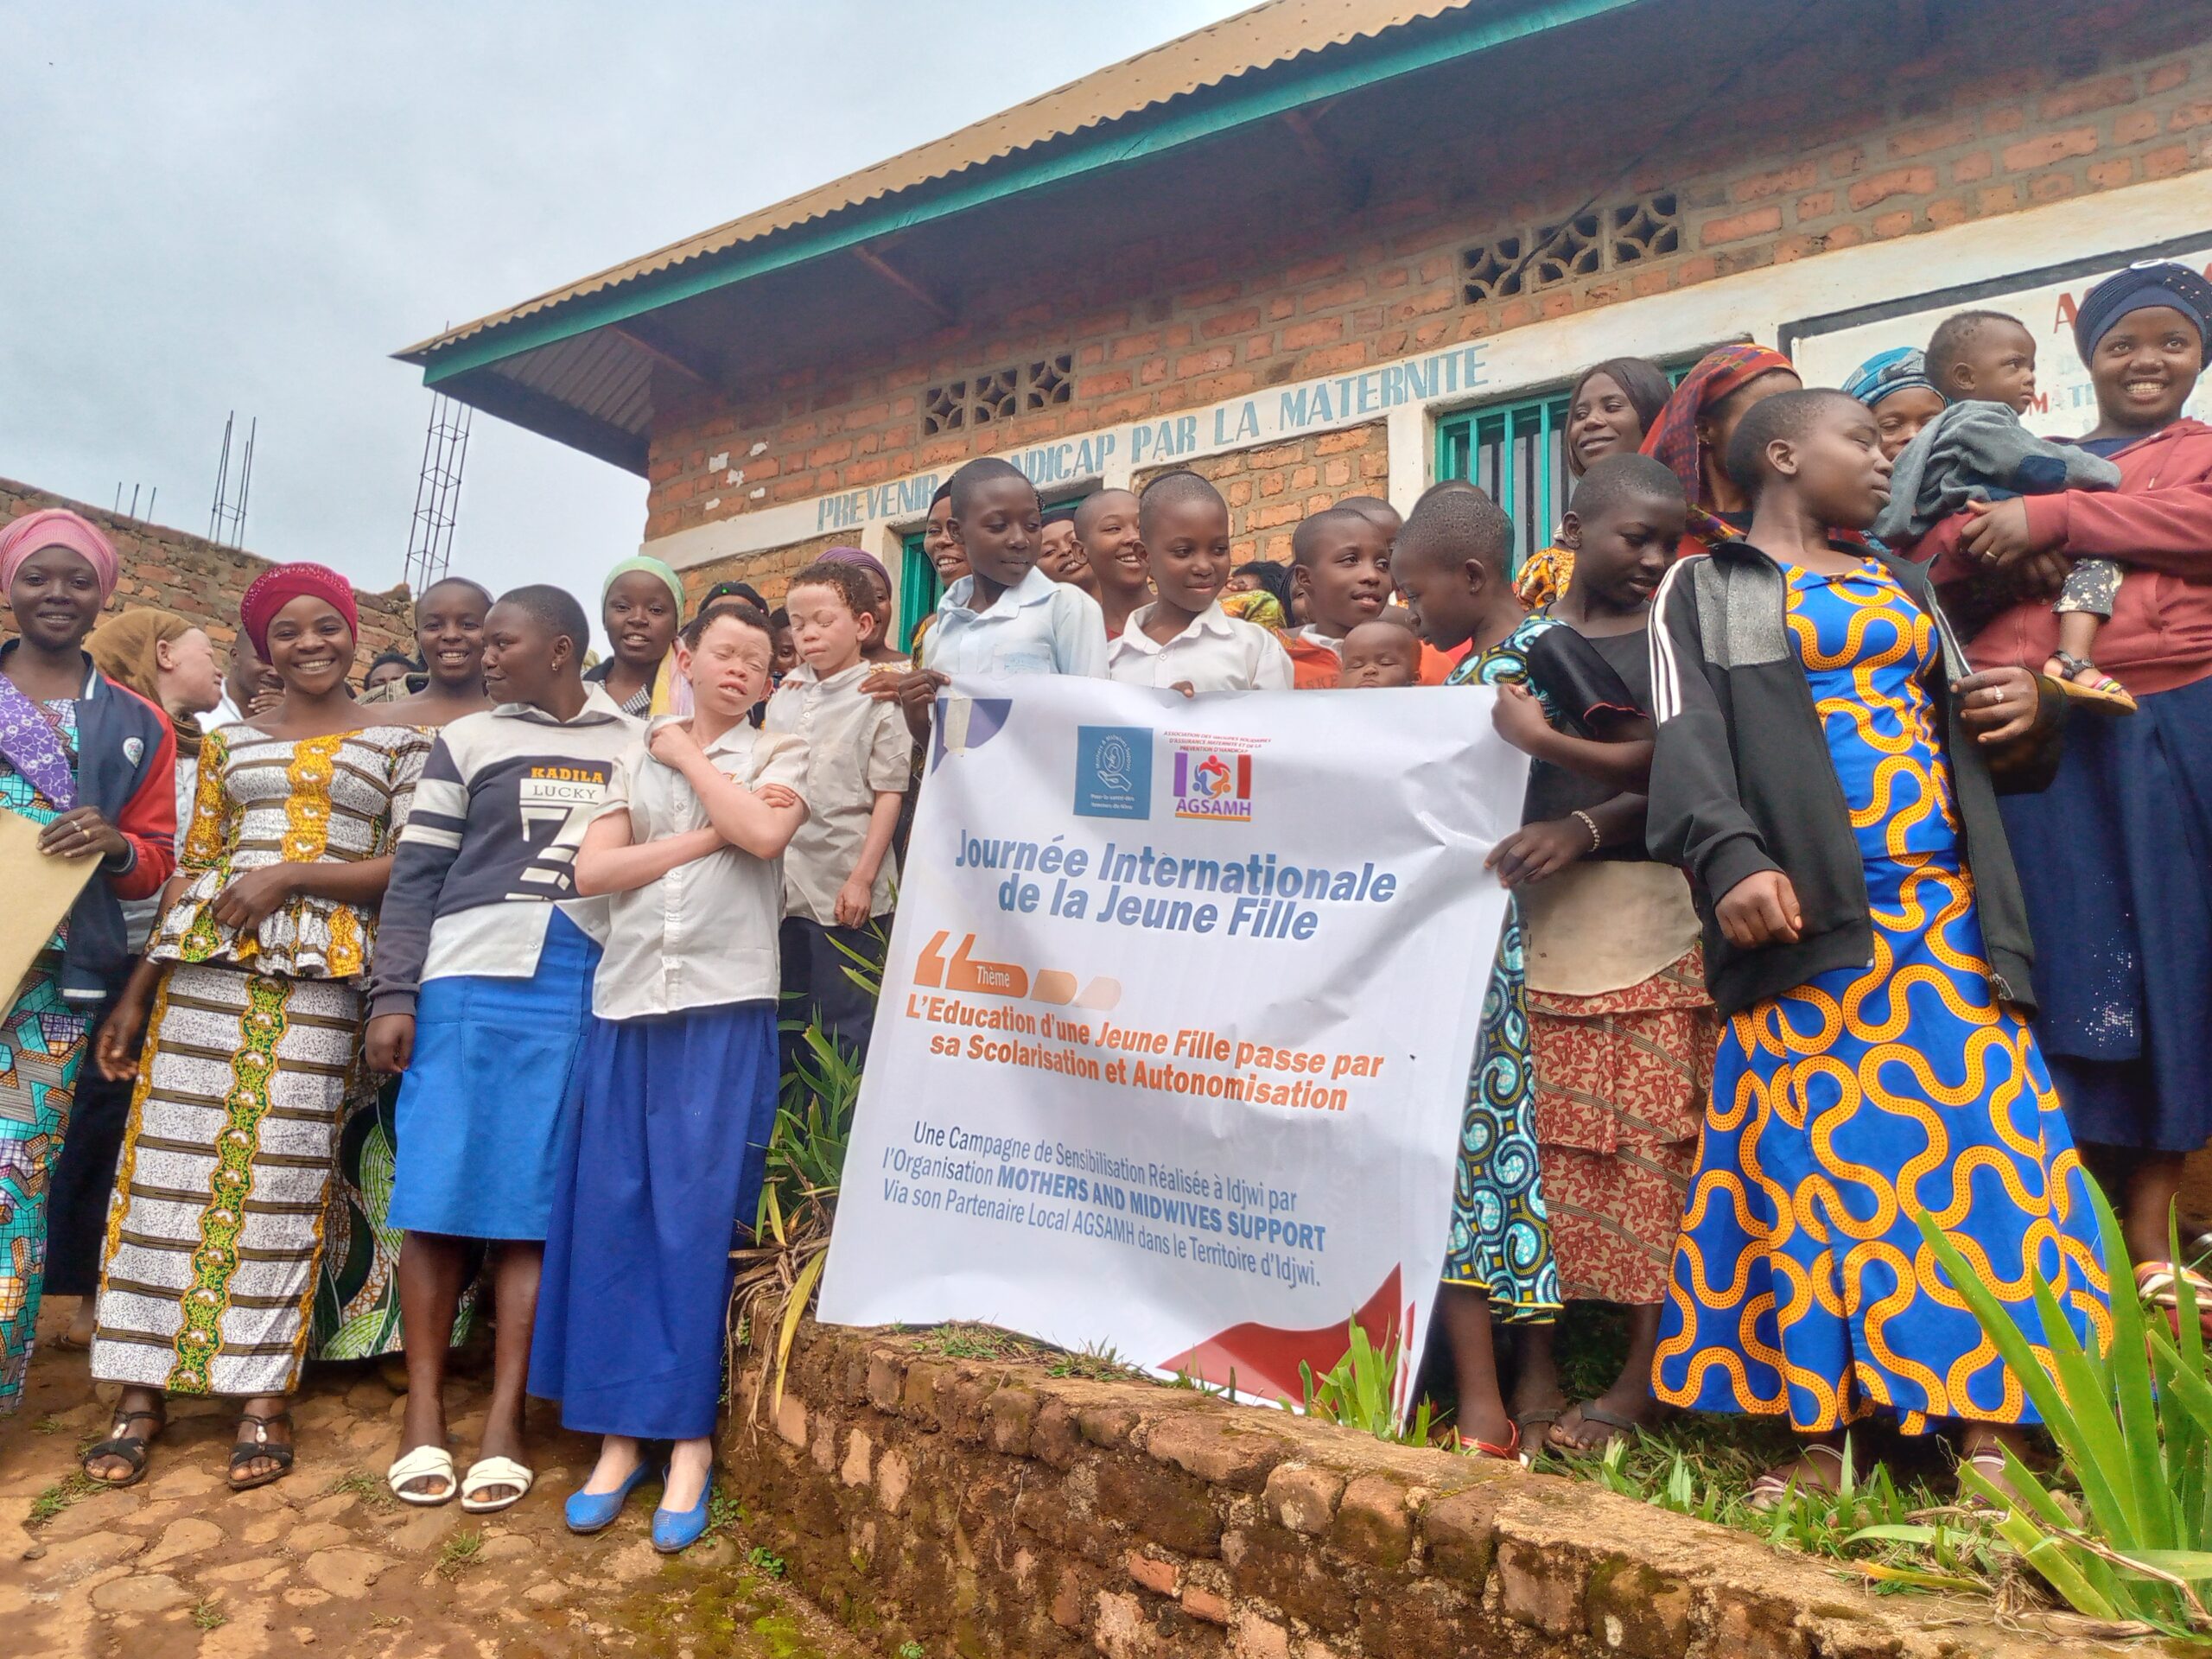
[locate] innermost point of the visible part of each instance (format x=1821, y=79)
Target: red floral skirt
x=1621, y=1084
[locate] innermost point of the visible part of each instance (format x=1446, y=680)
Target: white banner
x=1176, y=1023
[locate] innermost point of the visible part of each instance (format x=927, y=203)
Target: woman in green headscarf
x=641, y=607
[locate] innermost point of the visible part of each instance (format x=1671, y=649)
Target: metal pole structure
x=437, y=492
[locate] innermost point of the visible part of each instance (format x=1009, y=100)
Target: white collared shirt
x=1038, y=626
x=856, y=748
x=704, y=935
x=1215, y=652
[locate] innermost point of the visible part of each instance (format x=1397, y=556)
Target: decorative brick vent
x=997, y=394
x=1605, y=238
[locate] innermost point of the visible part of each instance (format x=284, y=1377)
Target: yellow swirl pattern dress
x=1799, y=1282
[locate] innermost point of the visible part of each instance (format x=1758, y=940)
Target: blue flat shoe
x=675, y=1530
x=589, y=1512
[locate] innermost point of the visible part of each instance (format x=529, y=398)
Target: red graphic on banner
x=1264, y=1357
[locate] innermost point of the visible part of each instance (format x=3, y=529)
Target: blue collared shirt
x=1038, y=626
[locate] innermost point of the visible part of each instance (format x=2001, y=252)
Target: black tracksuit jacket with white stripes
x=1742, y=780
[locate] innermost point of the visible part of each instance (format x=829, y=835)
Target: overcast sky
x=212, y=206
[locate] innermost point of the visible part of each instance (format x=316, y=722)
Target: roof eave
x=1317, y=76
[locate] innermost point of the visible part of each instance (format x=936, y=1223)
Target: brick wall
x=1269, y=489
x=994, y=1509
x=1864, y=136
x=770, y=571
x=173, y=570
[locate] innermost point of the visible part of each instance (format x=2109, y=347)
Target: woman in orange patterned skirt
x=250, y=1008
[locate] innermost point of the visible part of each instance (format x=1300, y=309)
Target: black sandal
x=132, y=1448
x=260, y=1447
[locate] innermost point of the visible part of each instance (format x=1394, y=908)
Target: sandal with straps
x=1772, y=1490
x=132, y=1448
x=2103, y=695
x=260, y=1447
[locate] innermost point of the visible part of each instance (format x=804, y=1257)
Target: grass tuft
x=461, y=1551
x=207, y=1613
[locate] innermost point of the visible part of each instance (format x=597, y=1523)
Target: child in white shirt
x=1184, y=638
x=839, y=872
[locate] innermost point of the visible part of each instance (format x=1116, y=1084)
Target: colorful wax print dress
x=1501, y=1240
x=219, y=1226
x=42, y=1045
x=1801, y=1283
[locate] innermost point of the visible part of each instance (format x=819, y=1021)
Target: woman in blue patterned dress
x=1864, y=936
x=1450, y=564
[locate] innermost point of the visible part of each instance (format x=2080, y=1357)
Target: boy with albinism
x=839, y=871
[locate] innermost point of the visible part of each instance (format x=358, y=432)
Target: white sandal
x=432, y=1461
x=495, y=1471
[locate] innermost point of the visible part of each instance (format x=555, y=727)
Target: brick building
x=172, y=570
x=1330, y=246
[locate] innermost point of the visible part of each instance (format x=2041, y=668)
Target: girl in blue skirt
x=677, y=1080
x=1823, y=771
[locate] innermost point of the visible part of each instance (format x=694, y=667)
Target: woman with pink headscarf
x=92, y=766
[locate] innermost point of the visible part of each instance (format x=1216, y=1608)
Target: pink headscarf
x=58, y=527
x=278, y=587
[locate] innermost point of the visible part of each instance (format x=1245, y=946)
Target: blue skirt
x=483, y=1108
x=664, y=1162
x=2115, y=860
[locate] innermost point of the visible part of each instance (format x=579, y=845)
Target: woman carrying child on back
x=1822, y=772
x=677, y=1077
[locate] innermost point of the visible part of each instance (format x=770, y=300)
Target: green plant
x=765, y=1562
x=47, y=1425
x=724, y=1513
x=1361, y=1390
x=59, y=1496
x=2134, y=1425
x=207, y=1613
x=912, y=1650
x=460, y=1550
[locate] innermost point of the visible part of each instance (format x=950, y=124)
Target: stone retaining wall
x=990, y=1508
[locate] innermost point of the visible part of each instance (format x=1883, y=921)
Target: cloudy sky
x=217, y=206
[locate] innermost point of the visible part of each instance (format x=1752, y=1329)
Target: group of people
x=468, y=986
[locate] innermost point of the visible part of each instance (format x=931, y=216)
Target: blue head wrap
x=1897, y=369
x=2147, y=284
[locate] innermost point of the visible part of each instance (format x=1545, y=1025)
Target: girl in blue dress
x=1823, y=771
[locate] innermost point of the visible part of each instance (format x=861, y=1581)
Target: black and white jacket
x=1742, y=780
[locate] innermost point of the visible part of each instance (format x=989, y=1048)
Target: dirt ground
x=327, y=1563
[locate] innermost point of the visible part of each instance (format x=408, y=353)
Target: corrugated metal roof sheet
x=1266, y=34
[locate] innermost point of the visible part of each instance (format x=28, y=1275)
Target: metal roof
x=1266, y=34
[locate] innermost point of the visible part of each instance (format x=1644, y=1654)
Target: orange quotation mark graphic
x=968, y=973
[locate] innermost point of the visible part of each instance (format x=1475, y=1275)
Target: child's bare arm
x=749, y=819
x=1623, y=762
x=611, y=862
x=856, y=897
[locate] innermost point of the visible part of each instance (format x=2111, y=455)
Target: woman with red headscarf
x=251, y=1004
x=90, y=763
x=1691, y=436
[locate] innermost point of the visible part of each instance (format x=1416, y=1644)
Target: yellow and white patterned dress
x=217, y=1228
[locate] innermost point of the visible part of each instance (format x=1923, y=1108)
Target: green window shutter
x=1515, y=453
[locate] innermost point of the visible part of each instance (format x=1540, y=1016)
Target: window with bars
x=993, y=395
x=1515, y=454
x=919, y=586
